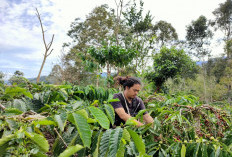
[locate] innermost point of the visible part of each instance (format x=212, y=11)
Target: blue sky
x=21, y=39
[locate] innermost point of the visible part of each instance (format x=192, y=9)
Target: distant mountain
x=42, y=79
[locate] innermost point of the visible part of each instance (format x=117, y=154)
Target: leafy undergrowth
x=48, y=120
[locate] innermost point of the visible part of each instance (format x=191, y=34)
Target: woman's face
x=133, y=91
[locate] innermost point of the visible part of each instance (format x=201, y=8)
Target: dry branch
x=47, y=46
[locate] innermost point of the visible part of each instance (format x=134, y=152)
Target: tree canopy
x=198, y=35
x=170, y=63
x=164, y=32
x=223, y=21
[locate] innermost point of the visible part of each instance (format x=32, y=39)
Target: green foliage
x=137, y=34
x=66, y=120
x=18, y=78
x=100, y=117
x=170, y=63
x=183, y=151
x=216, y=67
x=138, y=142
x=83, y=129
x=104, y=144
x=113, y=55
x=164, y=32
x=77, y=123
x=198, y=35
x=39, y=140
x=12, y=111
x=223, y=18
x=5, y=139
x=14, y=92
x=61, y=120
x=135, y=19
x=228, y=48
x=71, y=150
x=2, y=75
x=92, y=93
x=110, y=113
x=121, y=149
x=114, y=141
x=96, y=29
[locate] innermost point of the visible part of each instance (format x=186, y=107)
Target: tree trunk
x=229, y=94
x=119, y=6
x=108, y=74
x=41, y=68
x=205, y=89
x=204, y=80
x=47, y=46
x=97, y=83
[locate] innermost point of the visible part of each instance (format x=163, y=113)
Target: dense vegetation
x=65, y=120
x=72, y=116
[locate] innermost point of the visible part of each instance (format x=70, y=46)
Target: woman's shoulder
x=138, y=99
x=117, y=95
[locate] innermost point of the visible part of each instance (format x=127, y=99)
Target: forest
x=185, y=89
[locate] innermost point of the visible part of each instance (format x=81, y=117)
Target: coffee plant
x=68, y=120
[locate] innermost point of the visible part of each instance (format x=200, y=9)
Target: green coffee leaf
x=71, y=150
x=100, y=116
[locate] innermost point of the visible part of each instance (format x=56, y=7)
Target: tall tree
x=119, y=6
x=18, y=73
x=18, y=78
x=97, y=29
x=223, y=20
x=170, y=63
x=227, y=80
x=228, y=48
x=164, y=32
x=198, y=37
x=139, y=35
x=198, y=40
x=56, y=76
x=216, y=67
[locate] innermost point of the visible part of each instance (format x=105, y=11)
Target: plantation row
x=48, y=120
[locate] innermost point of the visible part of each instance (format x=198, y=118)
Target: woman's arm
x=147, y=118
x=124, y=116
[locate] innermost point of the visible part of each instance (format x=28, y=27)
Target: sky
x=21, y=44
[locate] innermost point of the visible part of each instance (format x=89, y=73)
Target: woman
x=129, y=104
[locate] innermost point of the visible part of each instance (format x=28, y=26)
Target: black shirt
x=134, y=107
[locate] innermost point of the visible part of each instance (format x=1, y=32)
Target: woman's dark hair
x=127, y=81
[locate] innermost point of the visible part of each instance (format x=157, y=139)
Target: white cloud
x=6, y=64
x=19, y=26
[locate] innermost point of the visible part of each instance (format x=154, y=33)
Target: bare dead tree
x=47, y=46
x=119, y=13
